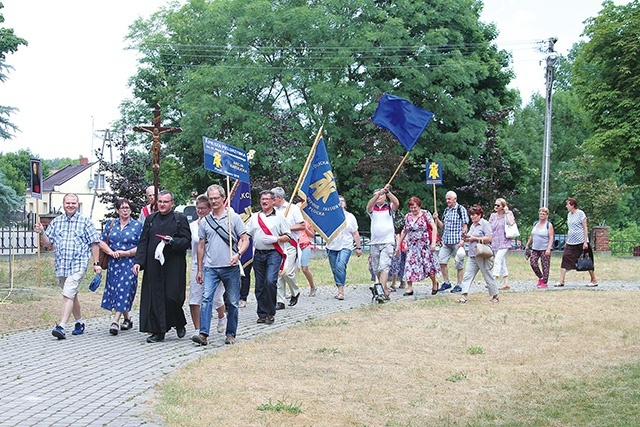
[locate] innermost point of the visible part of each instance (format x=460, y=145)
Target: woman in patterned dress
x=120, y=287
x=421, y=261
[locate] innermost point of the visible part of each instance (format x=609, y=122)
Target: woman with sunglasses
x=500, y=243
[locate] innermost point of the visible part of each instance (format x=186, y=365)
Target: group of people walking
x=219, y=237
x=466, y=234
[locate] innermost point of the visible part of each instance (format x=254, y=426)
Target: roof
x=64, y=175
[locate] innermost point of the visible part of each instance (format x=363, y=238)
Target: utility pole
x=546, y=148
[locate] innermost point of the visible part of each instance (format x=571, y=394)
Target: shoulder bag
x=103, y=258
x=483, y=251
x=511, y=231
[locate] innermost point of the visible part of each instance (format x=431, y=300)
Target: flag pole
x=305, y=168
x=398, y=168
x=434, y=197
x=232, y=191
x=229, y=223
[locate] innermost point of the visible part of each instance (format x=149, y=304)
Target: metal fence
x=18, y=238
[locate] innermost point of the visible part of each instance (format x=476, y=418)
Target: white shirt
x=344, y=240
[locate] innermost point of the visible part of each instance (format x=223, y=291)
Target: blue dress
x=121, y=284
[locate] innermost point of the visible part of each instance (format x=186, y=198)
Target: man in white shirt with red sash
x=148, y=209
x=295, y=221
x=269, y=232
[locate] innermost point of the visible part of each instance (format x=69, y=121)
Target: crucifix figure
x=156, y=130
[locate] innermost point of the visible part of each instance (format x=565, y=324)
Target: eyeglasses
x=125, y=208
x=497, y=206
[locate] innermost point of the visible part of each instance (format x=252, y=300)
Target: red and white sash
x=276, y=245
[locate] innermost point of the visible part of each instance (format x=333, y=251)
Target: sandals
x=114, y=328
x=591, y=285
x=407, y=294
x=340, y=296
x=312, y=291
x=558, y=285
x=126, y=325
x=462, y=300
x=495, y=299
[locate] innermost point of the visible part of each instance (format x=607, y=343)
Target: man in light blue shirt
x=74, y=239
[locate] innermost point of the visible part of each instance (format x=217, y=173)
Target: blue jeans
x=230, y=277
x=338, y=261
x=265, y=267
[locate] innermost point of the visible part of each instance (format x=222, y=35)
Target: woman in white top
x=541, y=242
x=577, y=242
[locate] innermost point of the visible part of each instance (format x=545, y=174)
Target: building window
x=99, y=181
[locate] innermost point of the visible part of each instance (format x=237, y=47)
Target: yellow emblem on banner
x=324, y=187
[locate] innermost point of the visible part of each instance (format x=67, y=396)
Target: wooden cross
x=156, y=130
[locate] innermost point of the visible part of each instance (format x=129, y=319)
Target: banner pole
x=305, y=168
x=434, y=197
x=229, y=223
x=38, y=244
x=398, y=168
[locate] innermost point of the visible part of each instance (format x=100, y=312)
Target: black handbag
x=585, y=262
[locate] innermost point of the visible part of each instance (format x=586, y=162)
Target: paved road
x=96, y=379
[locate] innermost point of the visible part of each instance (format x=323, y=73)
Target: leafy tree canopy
x=607, y=79
x=9, y=43
x=266, y=75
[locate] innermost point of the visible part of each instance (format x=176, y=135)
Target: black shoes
x=126, y=325
x=280, y=305
x=157, y=337
x=181, y=331
x=294, y=300
x=267, y=320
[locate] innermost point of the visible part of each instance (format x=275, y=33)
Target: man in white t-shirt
x=295, y=221
x=339, y=249
x=382, y=233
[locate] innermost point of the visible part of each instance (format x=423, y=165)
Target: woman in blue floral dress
x=421, y=260
x=120, y=241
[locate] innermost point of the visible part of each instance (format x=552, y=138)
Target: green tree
x=9, y=43
x=605, y=75
x=9, y=201
x=124, y=178
x=266, y=75
x=16, y=170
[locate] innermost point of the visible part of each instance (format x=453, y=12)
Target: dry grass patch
x=429, y=362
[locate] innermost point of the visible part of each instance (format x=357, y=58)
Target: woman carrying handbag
x=577, y=243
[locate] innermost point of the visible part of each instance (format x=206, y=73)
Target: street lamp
x=546, y=148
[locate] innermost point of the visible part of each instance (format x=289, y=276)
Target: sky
x=71, y=78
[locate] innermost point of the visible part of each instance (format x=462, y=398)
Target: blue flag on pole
x=241, y=204
x=403, y=119
x=319, y=194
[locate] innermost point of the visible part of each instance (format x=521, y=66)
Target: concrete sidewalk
x=97, y=379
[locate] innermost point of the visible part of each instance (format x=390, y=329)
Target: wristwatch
x=96, y=263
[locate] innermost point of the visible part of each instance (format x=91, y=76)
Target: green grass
x=281, y=406
x=609, y=400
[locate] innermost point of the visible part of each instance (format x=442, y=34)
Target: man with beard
x=162, y=250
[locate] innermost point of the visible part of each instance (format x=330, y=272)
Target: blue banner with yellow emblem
x=225, y=159
x=319, y=194
x=434, y=173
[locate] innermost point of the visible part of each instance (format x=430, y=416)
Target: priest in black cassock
x=162, y=254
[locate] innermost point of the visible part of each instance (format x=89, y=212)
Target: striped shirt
x=71, y=238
